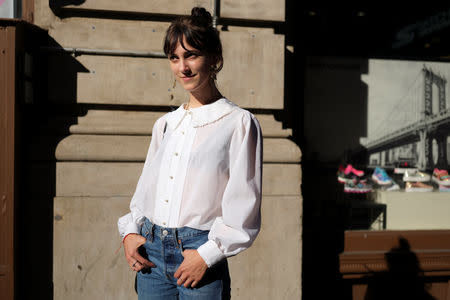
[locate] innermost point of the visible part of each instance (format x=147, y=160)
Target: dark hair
x=199, y=33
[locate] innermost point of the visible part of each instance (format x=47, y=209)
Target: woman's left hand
x=191, y=270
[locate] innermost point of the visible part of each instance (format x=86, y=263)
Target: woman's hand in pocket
x=131, y=244
x=191, y=270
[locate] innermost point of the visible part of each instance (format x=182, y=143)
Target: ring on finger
x=134, y=264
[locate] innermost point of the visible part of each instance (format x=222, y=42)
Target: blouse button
x=164, y=223
x=171, y=177
x=176, y=153
x=182, y=132
x=167, y=201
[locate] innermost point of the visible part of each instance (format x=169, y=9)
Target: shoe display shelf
x=415, y=211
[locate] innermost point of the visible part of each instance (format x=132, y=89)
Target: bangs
x=175, y=34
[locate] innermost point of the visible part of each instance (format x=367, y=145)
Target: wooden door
x=7, y=120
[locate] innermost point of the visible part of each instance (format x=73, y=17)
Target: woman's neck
x=204, y=96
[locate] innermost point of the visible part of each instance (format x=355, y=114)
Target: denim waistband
x=180, y=232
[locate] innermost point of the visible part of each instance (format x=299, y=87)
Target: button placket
x=174, y=160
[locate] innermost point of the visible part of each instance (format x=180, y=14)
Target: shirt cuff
x=131, y=228
x=210, y=253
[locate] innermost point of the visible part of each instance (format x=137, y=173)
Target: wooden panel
x=120, y=179
x=134, y=148
x=177, y=7
x=7, y=119
x=269, y=10
x=28, y=10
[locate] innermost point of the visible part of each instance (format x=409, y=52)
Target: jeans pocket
x=193, y=242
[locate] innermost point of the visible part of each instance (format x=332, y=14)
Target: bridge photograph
x=408, y=114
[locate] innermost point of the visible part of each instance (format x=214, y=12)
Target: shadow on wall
x=45, y=121
x=403, y=280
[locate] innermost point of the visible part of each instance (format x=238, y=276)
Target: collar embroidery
x=202, y=115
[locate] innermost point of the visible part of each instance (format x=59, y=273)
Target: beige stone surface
x=253, y=69
x=87, y=261
x=88, y=266
x=178, y=7
x=120, y=178
x=125, y=35
x=141, y=123
x=272, y=10
x=271, y=268
x=83, y=147
x=253, y=74
x=43, y=15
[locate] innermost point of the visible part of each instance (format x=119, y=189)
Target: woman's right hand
x=131, y=244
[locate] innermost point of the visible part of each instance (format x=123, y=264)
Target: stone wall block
x=116, y=122
x=120, y=178
x=88, y=264
x=173, y=7
x=134, y=148
x=149, y=81
x=271, y=10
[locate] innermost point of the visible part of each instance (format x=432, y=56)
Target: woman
x=198, y=199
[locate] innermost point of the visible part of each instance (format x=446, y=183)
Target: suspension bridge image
x=417, y=128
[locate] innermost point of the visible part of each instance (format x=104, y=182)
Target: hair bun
x=201, y=17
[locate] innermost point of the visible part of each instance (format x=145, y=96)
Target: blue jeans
x=163, y=247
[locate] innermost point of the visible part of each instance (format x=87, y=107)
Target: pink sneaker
x=349, y=169
x=441, y=177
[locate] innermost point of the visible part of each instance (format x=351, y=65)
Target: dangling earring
x=213, y=72
x=174, y=83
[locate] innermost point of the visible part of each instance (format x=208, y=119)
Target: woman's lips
x=187, y=78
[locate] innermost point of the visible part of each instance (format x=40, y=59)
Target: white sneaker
x=416, y=176
x=418, y=187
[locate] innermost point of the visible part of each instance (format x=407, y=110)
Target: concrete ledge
x=141, y=123
x=120, y=179
x=177, y=7
x=250, y=9
x=88, y=266
x=134, y=148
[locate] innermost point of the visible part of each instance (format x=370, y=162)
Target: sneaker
x=349, y=170
x=380, y=177
x=418, y=187
x=416, y=176
x=393, y=187
x=444, y=188
x=403, y=170
x=441, y=177
x=357, y=186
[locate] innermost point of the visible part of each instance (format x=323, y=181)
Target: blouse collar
x=202, y=115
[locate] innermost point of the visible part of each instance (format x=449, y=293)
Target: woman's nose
x=183, y=67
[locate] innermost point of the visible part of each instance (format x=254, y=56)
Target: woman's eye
x=172, y=57
x=191, y=55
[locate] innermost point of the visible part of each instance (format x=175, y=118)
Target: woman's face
x=190, y=67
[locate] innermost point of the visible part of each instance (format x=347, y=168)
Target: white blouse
x=203, y=170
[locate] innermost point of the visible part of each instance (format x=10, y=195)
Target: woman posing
x=198, y=198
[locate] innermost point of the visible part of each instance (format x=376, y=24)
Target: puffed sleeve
x=240, y=222
x=132, y=222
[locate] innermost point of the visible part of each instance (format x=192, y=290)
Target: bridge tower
x=426, y=137
x=430, y=79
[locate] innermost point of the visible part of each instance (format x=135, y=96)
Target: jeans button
x=165, y=232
